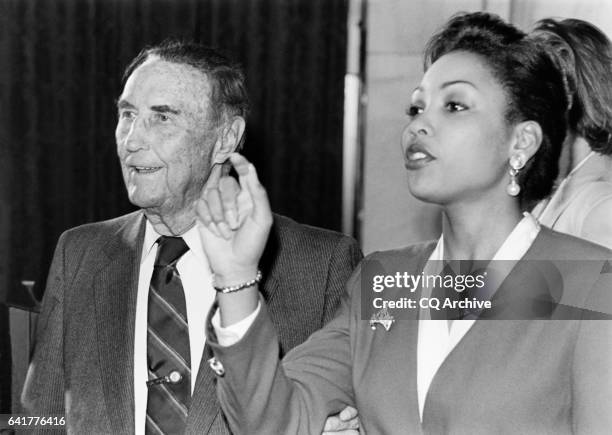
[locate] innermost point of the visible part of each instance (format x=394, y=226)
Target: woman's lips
x=417, y=156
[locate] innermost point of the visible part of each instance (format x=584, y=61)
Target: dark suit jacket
x=83, y=358
x=504, y=376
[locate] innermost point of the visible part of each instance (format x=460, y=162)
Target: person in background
x=484, y=135
x=120, y=345
x=581, y=205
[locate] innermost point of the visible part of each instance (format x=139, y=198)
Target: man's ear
x=527, y=138
x=229, y=139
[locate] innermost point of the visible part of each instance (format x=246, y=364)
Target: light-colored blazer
x=503, y=377
x=582, y=206
x=83, y=358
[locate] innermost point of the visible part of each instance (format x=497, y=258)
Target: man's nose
x=135, y=138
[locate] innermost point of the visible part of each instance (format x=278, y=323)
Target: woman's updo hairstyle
x=532, y=83
x=584, y=53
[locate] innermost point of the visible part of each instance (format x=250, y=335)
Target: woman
x=582, y=204
x=484, y=133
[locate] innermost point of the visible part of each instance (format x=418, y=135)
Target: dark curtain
x=60, y=68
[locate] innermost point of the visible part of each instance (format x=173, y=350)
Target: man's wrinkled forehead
x=165, y=83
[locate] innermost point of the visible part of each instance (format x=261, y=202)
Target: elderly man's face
x=164, y=136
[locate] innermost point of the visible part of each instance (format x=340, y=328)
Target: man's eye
x=413, y=111
x=126, y=114
x=162, y=117
x=453, y=106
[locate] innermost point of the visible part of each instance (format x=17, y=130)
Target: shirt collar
x=514, y=247
x=150, y=238
x=191, y=238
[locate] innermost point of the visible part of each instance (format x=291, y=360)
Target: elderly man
x=120, y=342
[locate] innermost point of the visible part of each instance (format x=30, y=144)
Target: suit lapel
x=390, y=356
x=269, y=264
x=115, y=290
x=204, y=404
x=412, y=334
x=517, y=284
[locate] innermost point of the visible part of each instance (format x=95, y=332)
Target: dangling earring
x=517, y=162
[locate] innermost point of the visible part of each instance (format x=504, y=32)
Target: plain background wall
x=397, y=31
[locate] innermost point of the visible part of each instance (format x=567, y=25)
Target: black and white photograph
x=309, y=217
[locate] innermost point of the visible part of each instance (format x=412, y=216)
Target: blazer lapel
x=204, y=404
x=269, y=264
x=394, y=351
x=115, y=290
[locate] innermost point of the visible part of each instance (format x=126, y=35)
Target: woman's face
x=457, y=142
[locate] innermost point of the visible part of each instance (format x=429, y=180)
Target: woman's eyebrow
x=457, y=82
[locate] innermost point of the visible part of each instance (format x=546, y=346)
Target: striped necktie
x=168, y=352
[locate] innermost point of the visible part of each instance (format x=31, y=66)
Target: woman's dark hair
x=584, y=53
x=532, y=83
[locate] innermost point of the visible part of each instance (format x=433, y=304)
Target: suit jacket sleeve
x=592, y=365
x=43, y=392
x=260, y=394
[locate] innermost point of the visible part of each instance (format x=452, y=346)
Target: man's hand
x=236, y=221
x=345, y=423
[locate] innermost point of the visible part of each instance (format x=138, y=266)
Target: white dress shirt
x=196, y=277
x=435, y=339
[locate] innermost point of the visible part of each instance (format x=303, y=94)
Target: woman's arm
x=257, y=392
x=260, y=394
x=236, y=222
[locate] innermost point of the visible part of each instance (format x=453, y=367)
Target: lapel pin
x=382, y=317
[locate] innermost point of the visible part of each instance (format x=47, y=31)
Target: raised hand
x=236, y=220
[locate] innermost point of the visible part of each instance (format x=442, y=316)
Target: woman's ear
x=229, y=139
x=527, y=139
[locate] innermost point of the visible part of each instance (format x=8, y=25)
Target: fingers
x=224, y=208
x=332, y=423
x=218, y=209
x=215, y=208
x=347, y=420
x=205, y=216
x=229, y=190
x=348, y=413
x=250, y=182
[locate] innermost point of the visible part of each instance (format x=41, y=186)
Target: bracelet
x=235, y=288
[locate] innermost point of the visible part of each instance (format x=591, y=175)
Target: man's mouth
x=145, y=169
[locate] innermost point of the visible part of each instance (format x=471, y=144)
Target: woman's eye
x=413, y=111
x=453, y=106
